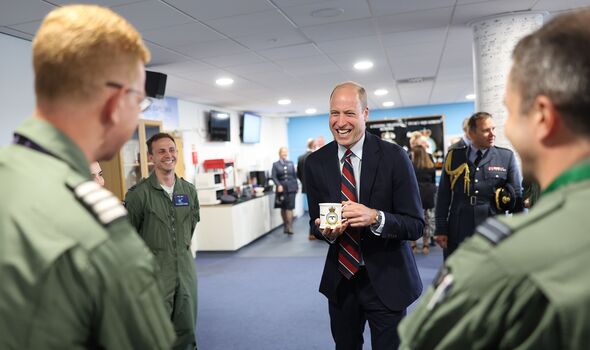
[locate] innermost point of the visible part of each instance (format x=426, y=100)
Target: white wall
x=247, y=157
x=17, y=96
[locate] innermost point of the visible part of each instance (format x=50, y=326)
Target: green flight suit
x=167, y=227
x=500, y=291
x=73, y=272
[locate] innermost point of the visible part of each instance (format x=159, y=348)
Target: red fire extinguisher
x=194, y=154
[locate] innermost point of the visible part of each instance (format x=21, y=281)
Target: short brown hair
x=360, y=91
x=77, y=47
x=156, y=137
x=554, y=61
x=472, y=123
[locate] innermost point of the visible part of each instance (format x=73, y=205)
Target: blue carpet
x=265, y=296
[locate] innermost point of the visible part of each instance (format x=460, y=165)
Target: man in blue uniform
x=473, y=177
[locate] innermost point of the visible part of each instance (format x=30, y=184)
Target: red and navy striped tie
x=349, y=255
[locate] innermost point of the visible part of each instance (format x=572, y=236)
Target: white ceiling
x=275, y=49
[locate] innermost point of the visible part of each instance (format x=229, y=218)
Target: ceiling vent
x=415, y=80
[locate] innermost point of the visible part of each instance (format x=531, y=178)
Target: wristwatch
x=378, y=219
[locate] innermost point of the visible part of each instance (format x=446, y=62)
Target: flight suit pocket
x=156, y=231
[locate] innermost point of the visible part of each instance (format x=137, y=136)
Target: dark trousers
x=358, y=303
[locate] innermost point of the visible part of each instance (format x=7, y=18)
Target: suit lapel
x=370, y=163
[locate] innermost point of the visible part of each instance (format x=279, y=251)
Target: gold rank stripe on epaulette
x=102, y=203
x=494, y=230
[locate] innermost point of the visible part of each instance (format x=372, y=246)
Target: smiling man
x=370, y=273
x=474, y=176
x=165, y=211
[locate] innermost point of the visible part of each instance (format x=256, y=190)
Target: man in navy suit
x=370, y=273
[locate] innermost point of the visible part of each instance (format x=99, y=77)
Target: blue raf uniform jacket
x=464, y=204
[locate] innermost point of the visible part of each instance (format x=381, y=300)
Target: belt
x=473, y=200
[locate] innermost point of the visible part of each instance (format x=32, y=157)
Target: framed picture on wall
x=400, y=130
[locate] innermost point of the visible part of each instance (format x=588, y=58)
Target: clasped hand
x=353, y=215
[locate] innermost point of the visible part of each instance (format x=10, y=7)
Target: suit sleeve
x=407, y=220
x=312, y=197
x=443, y=202
x=300, y=169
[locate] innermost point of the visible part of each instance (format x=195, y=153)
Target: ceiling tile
x=164, y=56
x=243, y=25
x=234, y=60
x=388, y=7
x=212, y=49
x=14, y=12
x=369, y=43
x=419, y=20
x=425, y=37
x=341, y=30
x=181, y=35
x=350, y=9
x=207, y=9
x=272, y=39
x=287, y=52
x=151, y=14
x=470, y=12
x=28, y=27
x=415, y=94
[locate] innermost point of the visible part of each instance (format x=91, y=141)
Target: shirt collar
x=475, y=149
x=357, y=149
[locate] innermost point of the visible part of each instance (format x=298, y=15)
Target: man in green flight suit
x=73, y=272
x=165, y=211
x=499, y=290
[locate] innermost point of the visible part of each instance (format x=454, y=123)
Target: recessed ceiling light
x=362, y=65
x=381, y=92
x=311, y=111
x=327, y=12
x=388, y=103
x=470, y=96
x=284, y=101
x=224, y=81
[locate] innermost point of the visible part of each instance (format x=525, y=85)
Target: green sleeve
x=502, y=313
x=134, y=209
x=131, y=314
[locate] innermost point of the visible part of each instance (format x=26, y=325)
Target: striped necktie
x=349, y=255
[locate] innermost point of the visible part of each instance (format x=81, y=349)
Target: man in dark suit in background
x=301, y=173
x=370, y=273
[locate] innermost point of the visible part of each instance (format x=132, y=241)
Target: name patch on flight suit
x=180, y=200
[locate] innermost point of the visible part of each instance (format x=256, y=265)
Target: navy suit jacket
x=387, y=183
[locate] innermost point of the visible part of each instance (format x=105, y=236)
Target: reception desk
x=232, y=226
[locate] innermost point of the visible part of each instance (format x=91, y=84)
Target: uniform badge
x=332, y=217
x=180, y=200
x=100, y=202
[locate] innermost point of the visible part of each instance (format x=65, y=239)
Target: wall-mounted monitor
x=219, y=126
x=250, y=128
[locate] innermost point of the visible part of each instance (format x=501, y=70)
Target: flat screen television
x=219, y=126
x=250, y=128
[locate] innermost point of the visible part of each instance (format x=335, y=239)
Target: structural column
x=494, y=38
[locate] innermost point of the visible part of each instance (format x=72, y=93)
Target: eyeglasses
x=145, y=102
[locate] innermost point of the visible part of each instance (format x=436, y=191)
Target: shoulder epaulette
x=132, y=188
x=103, y=205
x=494, y=230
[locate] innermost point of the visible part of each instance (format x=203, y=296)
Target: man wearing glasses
x=73, y=272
